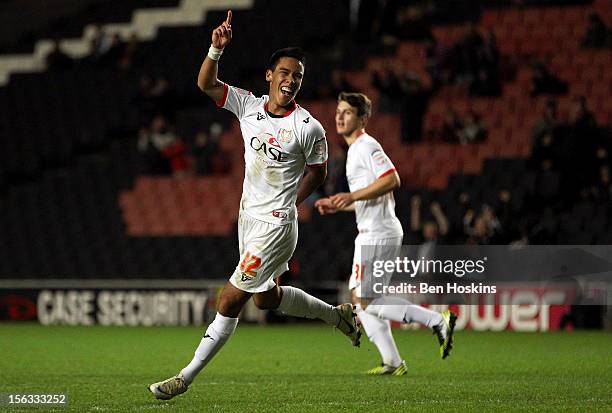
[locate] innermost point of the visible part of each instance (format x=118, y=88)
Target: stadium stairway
x=145, y=24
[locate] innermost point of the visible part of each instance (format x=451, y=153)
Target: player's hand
x=325, y=206
x=342, y=200
x=222, y=35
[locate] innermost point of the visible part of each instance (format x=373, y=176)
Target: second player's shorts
x=382, y=249
x=265, y=250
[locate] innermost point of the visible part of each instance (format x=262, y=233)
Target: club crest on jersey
x=267, y=145
x=274, y=142
x=285, y=136
x=260, y=116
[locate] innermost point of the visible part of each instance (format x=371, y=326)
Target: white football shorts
x=265, y=251
x=382, y=249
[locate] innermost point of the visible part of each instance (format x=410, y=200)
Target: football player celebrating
x=281, y=140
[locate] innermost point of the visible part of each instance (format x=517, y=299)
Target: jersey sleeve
x=314, y=144
x=377, y=160
x=236, y=100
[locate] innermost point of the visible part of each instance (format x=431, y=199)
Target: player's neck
x=278, y=110
x=350, y=139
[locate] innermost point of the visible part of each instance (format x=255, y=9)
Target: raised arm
x=207, y=78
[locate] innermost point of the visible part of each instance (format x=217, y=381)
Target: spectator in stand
x=451, y=127
x=164, y=97
x=547, y=123
x=338, y=83
x=598, y=35
x=164, y=153
x=429, y=232
x=204, y=149
x=482, y=229
x=582, y=120
x=548, y=186
x=473, y=129
x=545, y=148
x=130, y=52
x=413, y=106
x=57, y=60
x=466, y=55
x=436, y=55
x=99, y=44
x=602, y=190
x=388, y=83
x=544, y=82
x=112, y=56
x=486, y=80
x=143, y=100
x=412, y=24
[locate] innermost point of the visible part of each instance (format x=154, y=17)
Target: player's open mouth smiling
x=286, y=91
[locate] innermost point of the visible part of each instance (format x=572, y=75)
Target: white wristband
x=214, y=53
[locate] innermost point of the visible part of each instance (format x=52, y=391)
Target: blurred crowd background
x=113, y=164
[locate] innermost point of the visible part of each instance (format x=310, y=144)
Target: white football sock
x=217, y=333
x=403, y=311
x=296, y=302
x=379, y=333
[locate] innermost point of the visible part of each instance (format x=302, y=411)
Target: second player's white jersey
x=276, y=150
x=366, y=162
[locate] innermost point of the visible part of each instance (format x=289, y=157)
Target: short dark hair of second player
x=294, y=52
x=359, y=101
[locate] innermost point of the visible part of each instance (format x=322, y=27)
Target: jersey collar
x=289, y=112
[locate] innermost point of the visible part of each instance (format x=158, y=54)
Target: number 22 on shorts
x=249, y=265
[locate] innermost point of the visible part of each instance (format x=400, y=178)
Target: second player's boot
x=444, y=332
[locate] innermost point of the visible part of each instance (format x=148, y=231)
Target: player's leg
x=379, y=333
x=295, y=302
x=403, y=311
x=218, y=332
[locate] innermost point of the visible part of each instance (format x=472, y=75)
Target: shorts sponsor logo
x=279, y=214
x=249, y=266
x=285, y=135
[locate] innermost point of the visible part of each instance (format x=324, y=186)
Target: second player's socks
x=403, y=311
x=379, y=333
x=217, y=333
x=296, y=302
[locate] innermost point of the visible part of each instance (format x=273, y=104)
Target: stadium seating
x=74, y=204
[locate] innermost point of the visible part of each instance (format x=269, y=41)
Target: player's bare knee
x=269, y=300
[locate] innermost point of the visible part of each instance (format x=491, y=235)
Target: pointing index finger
x=228, y=20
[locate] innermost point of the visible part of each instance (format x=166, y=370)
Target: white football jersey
x=366, y=162
x=276, y=151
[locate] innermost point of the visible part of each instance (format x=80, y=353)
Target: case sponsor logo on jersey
x=267, y=145
x=285, y=135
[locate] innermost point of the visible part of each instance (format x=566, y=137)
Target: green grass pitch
x=307, y=368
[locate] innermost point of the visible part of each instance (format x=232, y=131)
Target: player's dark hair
x=357, y=100
x=294, y=52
